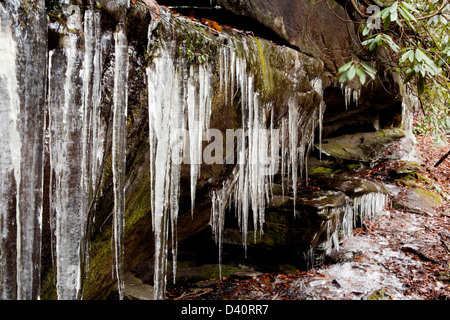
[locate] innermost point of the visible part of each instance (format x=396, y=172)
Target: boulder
x=351, y=186
x=363, y=146
x=419, y=200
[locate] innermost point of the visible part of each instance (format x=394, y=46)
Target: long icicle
x=119, y=149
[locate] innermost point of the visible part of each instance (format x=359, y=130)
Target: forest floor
x=400, y=256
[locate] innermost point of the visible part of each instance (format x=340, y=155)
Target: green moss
x=379, y=295
x=99, y=268
x=413, y=179
x=429, y=195
x=138, y=204
x=321, y=170
x=266, y=74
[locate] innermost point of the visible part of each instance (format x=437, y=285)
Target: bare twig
x=444, y=4
x=445, y=156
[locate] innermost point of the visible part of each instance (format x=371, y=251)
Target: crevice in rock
x=208, y=10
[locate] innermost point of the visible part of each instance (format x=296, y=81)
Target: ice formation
x=10, y=158
x=179, y=109
x=179, y=100
x=119, y=149
x=75, y=147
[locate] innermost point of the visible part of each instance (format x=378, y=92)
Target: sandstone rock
x=305, y=25
x=419, y=200
x=364, y=146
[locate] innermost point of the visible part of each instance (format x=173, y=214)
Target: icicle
x=162, y=81
x=367, y=205
x=93, y=125
x=348, y=221
x=217, y=220
x=350, y=95
x=23, y=56
x=199, y=111
x=293, y=146
x=67, y=199
x=179, y=99
x=9, y=162
x=119, y=149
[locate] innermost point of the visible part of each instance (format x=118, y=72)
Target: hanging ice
x=179, y=100
x=75, y=146
x=368, y=205
x=119, y=149
x=22, y=107
x=350, y=94
x=93, y=125
x=9, y=158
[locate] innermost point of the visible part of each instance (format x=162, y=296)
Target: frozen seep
x=368, y=205
x=350, y=94
x=250, y=184
x=10, y=158
x=67, y=201
x=23, y=55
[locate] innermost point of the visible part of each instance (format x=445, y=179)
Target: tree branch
x=435, y=13
x=445, y=156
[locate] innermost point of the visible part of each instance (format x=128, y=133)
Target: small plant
x=356, y=68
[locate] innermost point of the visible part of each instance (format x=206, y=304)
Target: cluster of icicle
x=343, y=220
x=361, y=208
x=179, y=98
x=76, y=128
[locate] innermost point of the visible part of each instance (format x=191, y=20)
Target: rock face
x=120, y=85
x=305, y=25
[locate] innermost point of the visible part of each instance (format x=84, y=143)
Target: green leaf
x=343, y=78
x=408, y=55
x=375, y=42
x=361, y=74
x=409, y=7
x=385, y=13
x=394, y=16
x=420, y=55
x=345, y=67
x=368, y=70
x=387, y=22
x=351, y=73
x=366, y=31
x=394, y=7
x=406, y=14
x=366, y=42
x=391, y=43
